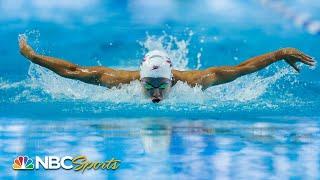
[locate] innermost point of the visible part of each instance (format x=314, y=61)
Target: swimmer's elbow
x=71, y=72
x=229, y=72
x=226, y=74
x=67, y=73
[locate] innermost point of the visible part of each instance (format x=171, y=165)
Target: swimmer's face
x=156, y=88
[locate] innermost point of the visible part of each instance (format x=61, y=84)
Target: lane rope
x=302, y=20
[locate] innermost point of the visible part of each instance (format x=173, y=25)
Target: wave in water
x=249, y=91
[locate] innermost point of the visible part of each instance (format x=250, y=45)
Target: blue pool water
x=265, y=125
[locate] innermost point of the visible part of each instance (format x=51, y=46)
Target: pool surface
x=265, y=125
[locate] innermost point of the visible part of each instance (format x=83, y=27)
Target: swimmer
x=156, y=73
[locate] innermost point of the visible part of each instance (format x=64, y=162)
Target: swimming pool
x=265, y=125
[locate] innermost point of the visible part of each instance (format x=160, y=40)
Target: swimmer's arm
x=219, y=75
x=93, y=75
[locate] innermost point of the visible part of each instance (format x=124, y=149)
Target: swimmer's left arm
x=219, y=75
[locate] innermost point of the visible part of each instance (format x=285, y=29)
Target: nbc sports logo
x=79, y=163
x=23, y=163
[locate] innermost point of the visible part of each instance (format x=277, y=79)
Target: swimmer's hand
x=25, y=49
x=219, y=75
x=292, y=56
x=98, y=75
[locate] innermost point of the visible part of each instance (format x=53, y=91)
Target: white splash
x=176, y=49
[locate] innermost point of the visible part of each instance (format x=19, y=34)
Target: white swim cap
x=156, y=64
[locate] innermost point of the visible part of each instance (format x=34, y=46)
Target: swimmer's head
x=156, y=75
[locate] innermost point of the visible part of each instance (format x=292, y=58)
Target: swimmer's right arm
x=93, y=75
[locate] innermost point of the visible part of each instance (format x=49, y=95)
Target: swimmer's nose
x=156, y=93
x=156, y=100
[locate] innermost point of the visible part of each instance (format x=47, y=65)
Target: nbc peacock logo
x=23, y=163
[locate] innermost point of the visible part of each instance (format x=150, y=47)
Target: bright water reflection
x=163, y=148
